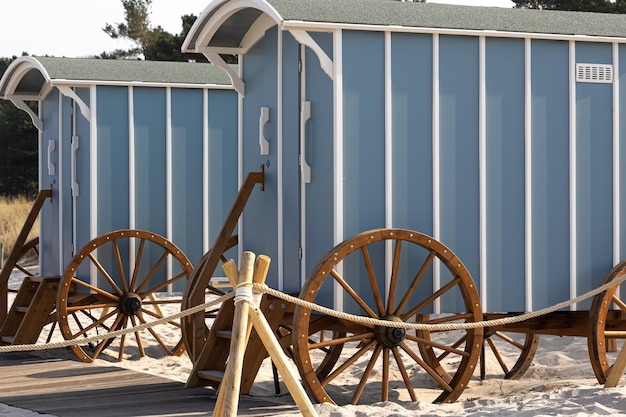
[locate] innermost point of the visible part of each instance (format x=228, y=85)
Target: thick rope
x=262, y=288
x=437, y=327
x=110, y=335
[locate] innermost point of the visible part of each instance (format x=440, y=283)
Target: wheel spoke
x=366, y=375
x=96, y=323
x=158, y=339
x=373, y=283
x=94, y=289
x=446, y=348
x=160, y=316
x=385, y=383
x=405, y=374
x=509, y=340
x=619, y=302
x=426, y=367
x=153, y=271
x=353, y=294
x=431, y=298
x=394, y=277
x=87, y=307
x=497, y=354
x=138, y=259
x=164, y=285
x=142, y=352
x=348, y=362
x=416, y=281
x=340, y=340
x=103, y=343
x=120, y=353
x=120, y=266
x=105, y=274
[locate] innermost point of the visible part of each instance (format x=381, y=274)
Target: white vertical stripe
x=240, y=233
x=616, y=158
x=132, y=175
x=303, y=98
x=93, y=157
x=572, y=164
x=205, y=171
x=482, y=163
x=279, y=160
x=436, y=167
x=338, y=155
x=132, y=168
x=60, y=187
x=40, y=169
x=388, y=161
x=168, y=175
x=528, y=173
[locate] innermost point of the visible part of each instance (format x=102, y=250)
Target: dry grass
x=13, y=213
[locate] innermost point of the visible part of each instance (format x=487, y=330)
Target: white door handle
x=264, y=143
x=75, y=146
x=52, y=145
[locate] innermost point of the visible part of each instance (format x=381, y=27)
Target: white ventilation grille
x=594, y=73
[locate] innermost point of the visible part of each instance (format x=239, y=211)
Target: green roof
x=111, y=70
x=383, y=14
x=447, y=16
x=29, y=76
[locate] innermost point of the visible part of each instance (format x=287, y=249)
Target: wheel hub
x=390, y=337
x=130, y=304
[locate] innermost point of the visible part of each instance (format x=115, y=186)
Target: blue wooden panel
x=550, y=172
x=363, y=149
x=49, y=216
x=622, y=150
x=412, y=166
x=187, y=162
x=320, y=153
x=459, y=173
x=260, y=223
x=222, y=117
x=150, y=159
x=65, y=184
x=112, y=158
x=82, y=211
x=505, y=174
x=594, y=173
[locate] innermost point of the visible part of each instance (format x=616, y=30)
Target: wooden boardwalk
x=67, y=388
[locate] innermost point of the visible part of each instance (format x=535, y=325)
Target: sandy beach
x=560, y=382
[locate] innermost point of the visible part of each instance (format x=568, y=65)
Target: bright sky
x=73, y=28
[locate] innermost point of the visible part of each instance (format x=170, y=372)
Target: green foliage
x=18, y=148
x=600, y=6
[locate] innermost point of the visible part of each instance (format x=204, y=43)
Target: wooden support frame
x=14, y=256
x=248, y=314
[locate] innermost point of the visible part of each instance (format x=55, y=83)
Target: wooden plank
x=67, y=388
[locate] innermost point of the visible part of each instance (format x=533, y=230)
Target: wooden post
x=227, y=401
x=228, y=398
x=617, y=370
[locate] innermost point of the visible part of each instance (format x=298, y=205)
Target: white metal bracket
x=75, y=146
x=84, y=108
x=20, y=104
x=217, y=60
x=304, y=38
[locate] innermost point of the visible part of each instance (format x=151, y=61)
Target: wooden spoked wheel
x=120, y=280
x=387, y=274
x=607, y=325
x=28, y=258
x=198, y=291
x=514, y=352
